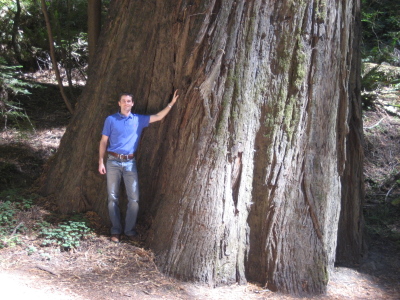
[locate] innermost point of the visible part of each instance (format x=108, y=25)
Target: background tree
x=244, y=179
x=19, y=32
x=53, y=58
x=24, y=37
x=381, y=31
x=15, y=32
x=94, y=26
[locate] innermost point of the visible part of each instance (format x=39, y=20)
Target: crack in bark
x=313, y=215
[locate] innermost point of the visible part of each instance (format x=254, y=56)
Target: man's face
x=125, y=103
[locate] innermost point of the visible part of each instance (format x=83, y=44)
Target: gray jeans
x=126, y=169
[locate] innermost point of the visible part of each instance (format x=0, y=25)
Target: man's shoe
x=115, y=238
x=132, y=237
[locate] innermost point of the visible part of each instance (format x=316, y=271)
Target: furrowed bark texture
x=242, y=180
x=351, y=247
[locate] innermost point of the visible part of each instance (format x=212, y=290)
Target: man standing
x=120, y=138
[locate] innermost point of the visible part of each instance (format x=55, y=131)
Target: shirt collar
x=121, y=116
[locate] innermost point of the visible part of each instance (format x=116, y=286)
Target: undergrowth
x=383, y=223
x=19, y=218
x=10, y=86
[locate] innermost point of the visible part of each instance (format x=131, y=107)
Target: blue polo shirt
x=124, y=132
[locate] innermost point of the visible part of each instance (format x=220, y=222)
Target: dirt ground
x=99, y=269
x=103, y=270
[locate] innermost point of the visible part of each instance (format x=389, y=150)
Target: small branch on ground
x=47, y=270
x=370, y=127
x=16, y=228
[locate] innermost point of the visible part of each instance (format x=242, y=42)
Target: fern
x=10, y=86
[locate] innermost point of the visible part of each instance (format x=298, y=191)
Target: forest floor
x=99, y=269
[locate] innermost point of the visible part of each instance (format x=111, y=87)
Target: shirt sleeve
x=144, y=121
x=107, y=127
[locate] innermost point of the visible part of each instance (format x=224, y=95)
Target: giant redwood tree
x=244, y=179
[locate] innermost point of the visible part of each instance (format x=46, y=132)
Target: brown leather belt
x=122, y=156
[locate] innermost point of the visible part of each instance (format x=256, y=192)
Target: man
x=120, y=138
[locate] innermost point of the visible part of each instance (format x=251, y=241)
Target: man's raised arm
x=161, y=114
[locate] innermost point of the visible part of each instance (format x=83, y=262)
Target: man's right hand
x=102, y=169
x=102, y=152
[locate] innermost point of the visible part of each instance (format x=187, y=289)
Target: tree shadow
x=382, y=261
x=380, y=265
x=20, y=165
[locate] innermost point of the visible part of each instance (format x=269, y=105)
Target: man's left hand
x=176, y=96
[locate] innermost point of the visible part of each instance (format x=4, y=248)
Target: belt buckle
x=121, y=156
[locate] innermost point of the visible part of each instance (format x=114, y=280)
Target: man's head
x=125, y=103
x=125, y=94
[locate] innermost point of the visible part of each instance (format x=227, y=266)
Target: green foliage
x=381, y=222
x=372, y=79
x=375, y=77
x=381, y=31
x=7, y=212
x=17, y=199
x=11, y=203
x=10, y=86
x=9, y=79
x=67, y=235
x=31, y=249
x=31, y=36
x=69, y=26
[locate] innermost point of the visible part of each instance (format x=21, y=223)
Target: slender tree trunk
x=94, y=26
x=53, y=58
x=15, y=33
x=243, y=179
x=67, y=52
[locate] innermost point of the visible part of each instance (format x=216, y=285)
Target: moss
x=250, y=34
x=281, y=101
x=285, y=59
x=288, y=114
x=221, y=126
x=322, y=266
x=234, y=114
x=296, y=4
x=285, y=55
x=284, y=112
x=320, y=10
x=300, y=73
x=292, y=117
x=236, y=87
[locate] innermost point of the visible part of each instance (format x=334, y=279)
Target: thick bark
x=351, y=245
x=243, y=178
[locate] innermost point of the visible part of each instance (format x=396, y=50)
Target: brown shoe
x=132, y=237
x=115, y=238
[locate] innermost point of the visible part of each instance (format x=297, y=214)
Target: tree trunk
x=15, y=34
x=53, y=58
x=243, y=178
x=351, y=247
x=94, y=26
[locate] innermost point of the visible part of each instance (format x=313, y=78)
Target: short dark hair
x=125, y=94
